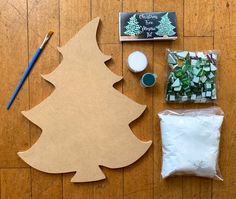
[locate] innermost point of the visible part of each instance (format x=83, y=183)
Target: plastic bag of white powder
x=190, y=142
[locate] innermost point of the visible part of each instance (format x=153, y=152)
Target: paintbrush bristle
x=50, y=33
x=46, y=38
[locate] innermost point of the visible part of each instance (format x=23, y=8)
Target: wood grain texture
x=202, y=25
x=108, y=11
x=198, y=17
x=14, y=130
x=15, y=183
x=74, y=15
x=75, y=190
x=224, y=40
x=43, y=186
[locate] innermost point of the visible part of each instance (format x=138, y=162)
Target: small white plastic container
x=137, y=62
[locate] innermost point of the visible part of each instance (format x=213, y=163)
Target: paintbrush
x=31, y=64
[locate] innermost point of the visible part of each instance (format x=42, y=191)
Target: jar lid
x=137, y=62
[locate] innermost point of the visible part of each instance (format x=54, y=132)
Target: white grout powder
x=190, y=142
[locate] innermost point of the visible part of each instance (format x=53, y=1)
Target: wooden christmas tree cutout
x=85, y=121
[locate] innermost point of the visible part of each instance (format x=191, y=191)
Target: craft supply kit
x=75, y=139
x=141, y=26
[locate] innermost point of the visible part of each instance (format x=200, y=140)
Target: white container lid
x=137, y=62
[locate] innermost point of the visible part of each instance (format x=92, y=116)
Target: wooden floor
x=202, y=24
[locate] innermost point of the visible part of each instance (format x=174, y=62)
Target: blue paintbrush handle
x=31, y=64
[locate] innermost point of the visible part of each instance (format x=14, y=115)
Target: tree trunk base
x=88, y=175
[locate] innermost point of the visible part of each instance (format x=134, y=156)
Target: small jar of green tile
x=192, y=76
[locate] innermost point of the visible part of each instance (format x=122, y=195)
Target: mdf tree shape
x=85, y=121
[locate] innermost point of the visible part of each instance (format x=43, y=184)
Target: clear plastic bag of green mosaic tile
x=192, y=76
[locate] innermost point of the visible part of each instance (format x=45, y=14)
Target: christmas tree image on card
x=165, y=28
x=133, y=28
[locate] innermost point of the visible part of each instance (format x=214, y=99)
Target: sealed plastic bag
x=190, y=142
x=192, y=76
